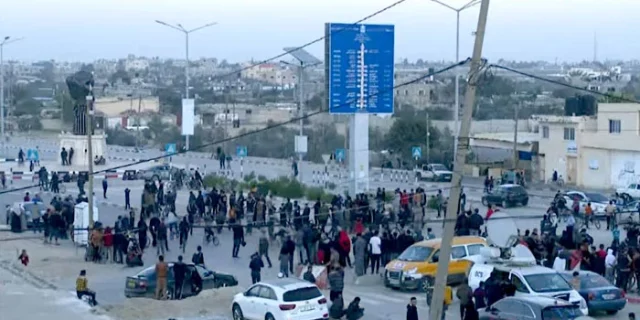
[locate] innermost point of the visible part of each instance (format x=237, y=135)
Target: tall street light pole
x=186, y=32
x=457, y=71
x=5, y=41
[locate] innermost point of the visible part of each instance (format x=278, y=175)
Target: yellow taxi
x=416, y=267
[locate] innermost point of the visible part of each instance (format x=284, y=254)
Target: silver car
x=159, y=172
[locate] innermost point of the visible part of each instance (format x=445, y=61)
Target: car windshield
x=561, y=312
x=439, y=167
x=301, y=294
x=148, y=273
x=416, y=253
x=547, y=282
x=589, y=281
x=597, y=197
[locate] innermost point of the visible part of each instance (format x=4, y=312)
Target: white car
x=434, y=172
x=280, y=299
x=529, y=280
x=598, y=201
x=633, y=190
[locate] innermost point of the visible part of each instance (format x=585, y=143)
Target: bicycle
x=210, y=237
x=594, y=221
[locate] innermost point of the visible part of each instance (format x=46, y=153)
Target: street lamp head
x=7, y=38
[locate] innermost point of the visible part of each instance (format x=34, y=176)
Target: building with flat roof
x=601, y=151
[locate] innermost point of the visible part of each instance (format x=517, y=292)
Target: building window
x=406, y=92
x=570, y=134
x=421, y=92
x=545, y=132
x=615, y=126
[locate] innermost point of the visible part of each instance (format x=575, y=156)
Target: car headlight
x=412, y=271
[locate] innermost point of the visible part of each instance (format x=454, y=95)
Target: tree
x=170, y=100
x=29, y=123
x=28, y=106
x=87, y=67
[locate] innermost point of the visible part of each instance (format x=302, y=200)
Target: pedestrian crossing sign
x=32, y=155
x=241, y=151
x=416, y=152
x=170, y=148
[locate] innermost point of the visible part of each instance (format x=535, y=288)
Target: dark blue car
x=599, y=293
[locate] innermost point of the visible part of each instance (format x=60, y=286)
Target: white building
x=599, y=152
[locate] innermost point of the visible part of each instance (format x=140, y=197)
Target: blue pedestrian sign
x=170, y=148
x=416, y=152
x=359, y=66
x=340, y=155
x=32, y=155
x=241, y=151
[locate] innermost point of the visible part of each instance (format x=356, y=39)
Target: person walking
x=105, y=185
x=263, y=246
x=70, y=156
x=238, y=239
x=162, y=271
x=464, y=294
x=255, y=265
x=198, y=257
x=183, y=229
x=284, y=261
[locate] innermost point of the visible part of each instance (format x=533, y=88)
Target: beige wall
x=555, y=150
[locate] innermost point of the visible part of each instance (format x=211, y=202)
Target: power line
x=257, y=131
x=287, y=52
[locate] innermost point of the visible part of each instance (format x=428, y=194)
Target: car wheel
x=155, y=177
x=427, y=282
x=525, y=202
x=418, y=175
x=269, y=317
x=484, y=202
x=612, y=312
x=237, y=312
x=505, y=204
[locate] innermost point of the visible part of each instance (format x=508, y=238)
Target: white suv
x=280, y=299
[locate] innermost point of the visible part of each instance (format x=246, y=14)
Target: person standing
x=162, y=271
x=255, y=265
x=142, y=234
x=263, y=246
x=375, y=248
x=105, y=185
x=70, y=156
x=63, y=156
x=359, y=252
x=183, y=229
x=412, y=309
x=127, y=198
x=336, y=281
x=179, y=271
x=464, y=294
x=284, y=261
x=162, y=238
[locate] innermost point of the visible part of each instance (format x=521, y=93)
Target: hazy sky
x=517, y=29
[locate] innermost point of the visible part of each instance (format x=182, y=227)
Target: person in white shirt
x=375, y=251
x=610, y=210
x=609, y=264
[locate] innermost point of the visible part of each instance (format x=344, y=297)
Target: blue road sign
x=241, y=151
x=170, y=148
x=32, y=154
x=359, y=66
x=416, y=152
x=340, y=155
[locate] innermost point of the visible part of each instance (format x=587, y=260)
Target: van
x=415, y=268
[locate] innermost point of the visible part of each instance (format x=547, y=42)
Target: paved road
x=380, y=302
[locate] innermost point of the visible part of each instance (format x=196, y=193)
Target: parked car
x=598, y=201
x=632, y=191
x=143, y=284
x=280, y=299
x=506, y=195
x=599, y=293
x=531, y=308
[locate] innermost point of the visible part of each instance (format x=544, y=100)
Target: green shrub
x=314, y=193
x=331, y=186
x=432, y=203
x=250, y=177
x=262, y=178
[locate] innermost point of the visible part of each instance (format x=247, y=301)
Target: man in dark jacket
x=263, y=246
x=412, y=309
x=179, y=271
x=255, y=265
x=238, y=240
x=336, y=282
x=475, y=222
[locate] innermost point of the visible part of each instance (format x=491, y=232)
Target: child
x=24, y=258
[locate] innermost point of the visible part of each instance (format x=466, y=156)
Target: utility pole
x=3, y=42
x=435, y=309
x=138, y=124
x=428, y=138
x=300, y=112
x=515, y=137
x=89, y=128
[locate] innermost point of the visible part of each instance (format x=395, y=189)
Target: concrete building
x=601, y=151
